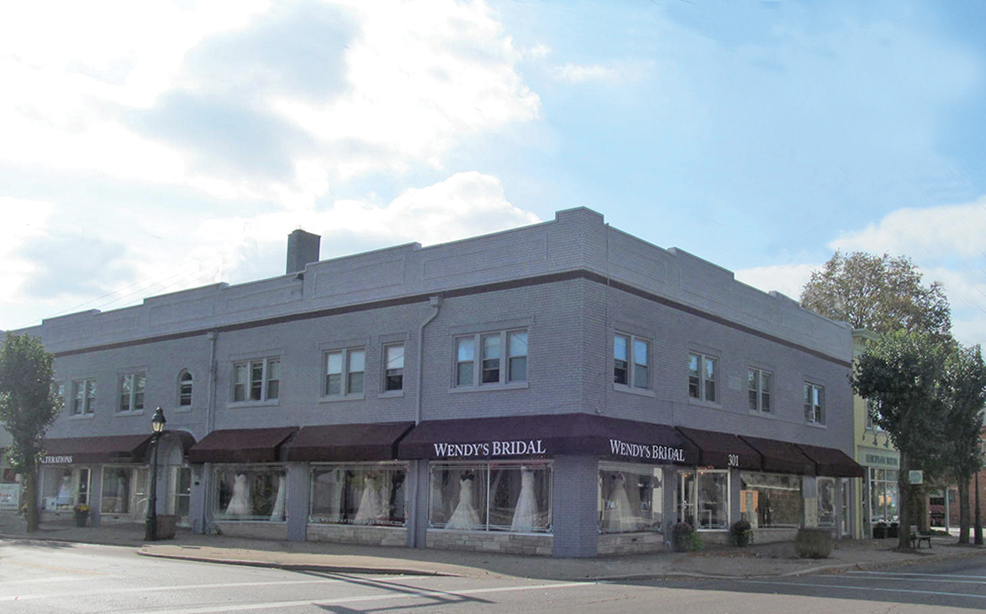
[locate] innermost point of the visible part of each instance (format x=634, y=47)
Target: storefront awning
x=105, y=449
x=241, y=446
x=348, y=442
x=546, y=436
x=832, y=462
x=723, y=450
x=781, y=456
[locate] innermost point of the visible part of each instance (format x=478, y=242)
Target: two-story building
x=559, y=389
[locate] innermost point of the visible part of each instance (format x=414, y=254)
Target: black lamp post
x=978, y=530
x=150, y=528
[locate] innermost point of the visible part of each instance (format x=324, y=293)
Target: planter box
x=166, y=524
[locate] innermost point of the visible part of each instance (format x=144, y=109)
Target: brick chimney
x=303, y=248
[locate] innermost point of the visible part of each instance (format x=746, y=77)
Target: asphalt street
x=51, y=577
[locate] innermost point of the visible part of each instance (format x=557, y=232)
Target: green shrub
x=681, y=537
x=813, y=543
x=741, y=533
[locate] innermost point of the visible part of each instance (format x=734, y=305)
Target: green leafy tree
x=964, y=390
x=28, y=406
x=878, y=293
x=903, y=374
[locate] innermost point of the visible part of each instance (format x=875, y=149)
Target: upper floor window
x=83, y=397
x=759, y=389
x=702, y=378
x=344, y=372
x=814, y=404
x=256, y=380
x=630, y=360
x=393, y=367
x=132, y=391
x=184, y=389
x=501, y=358
x=872, y=412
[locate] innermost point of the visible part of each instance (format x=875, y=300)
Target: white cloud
x=22, y=220
x=787, y=279
x=585, y=73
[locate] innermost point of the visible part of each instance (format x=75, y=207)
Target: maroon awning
x=832, y=462
x=781, y=456
x=545, y=436
x=241, y=446
x=348, y=442
x=104, y=449
x=723, y=450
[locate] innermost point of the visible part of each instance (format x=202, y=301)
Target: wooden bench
x=918, y=536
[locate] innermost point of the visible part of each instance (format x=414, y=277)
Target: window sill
x=82, y=416
x=762, y=414
x=249, y=404
x=342, y=398
x=124, y=414
x=183, y=409
x=816, y=425
x=391, y=394
x=643, y=392
x=701, y=403
x=489, y=388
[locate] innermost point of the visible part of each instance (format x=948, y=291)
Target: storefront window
x=769, y=500
x=513, y=497
x=826, y=502
x=703, y=499
x=250, y=492
x=370, y=494
x=883, y=496
x=631, y=498
x=63, y=487
x=117, y=491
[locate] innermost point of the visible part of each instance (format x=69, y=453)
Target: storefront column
x=575, y=517
x=299, y=493
x=197, y=508
x=417, y=504
x=95, y=494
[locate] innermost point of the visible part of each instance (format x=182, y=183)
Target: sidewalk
x=768, y=560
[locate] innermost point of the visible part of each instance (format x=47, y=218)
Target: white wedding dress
x=370, y=504
x=465, y=515
x=239, y=504
x=620, y=518
x=526, y=511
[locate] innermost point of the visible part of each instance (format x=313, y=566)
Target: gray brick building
x=560, y=389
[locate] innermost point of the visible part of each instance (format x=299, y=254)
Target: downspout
x=210, y=424
x=436, y=305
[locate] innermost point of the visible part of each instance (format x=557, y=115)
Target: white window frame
x=703, y=381
x=814, y=412
x=267, y=370
x=395, y=365
x=480, y=364
x=632, y=365
x=182, y=383
x=88, y=406
x=135, y=395
x=346, y=373
x=755, y=385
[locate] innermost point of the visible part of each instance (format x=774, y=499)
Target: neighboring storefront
x=881, y=499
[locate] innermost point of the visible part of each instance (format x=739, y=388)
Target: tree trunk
x=963, y=484
x=905, y=511
x=32, y=514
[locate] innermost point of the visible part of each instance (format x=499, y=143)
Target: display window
x=124, y=490
x=361, y=493
x=826, y=502
x=64, y=487
x=883, y=496
x=514, y=497
x=630, y=498
x=771, y=500
x=250, y=492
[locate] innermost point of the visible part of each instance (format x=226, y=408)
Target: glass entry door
x=181, y=493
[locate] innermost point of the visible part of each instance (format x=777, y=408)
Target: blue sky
x=149, y=147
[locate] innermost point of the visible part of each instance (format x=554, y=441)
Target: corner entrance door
x=181, y=495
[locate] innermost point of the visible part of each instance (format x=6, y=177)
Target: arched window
x=184, y=389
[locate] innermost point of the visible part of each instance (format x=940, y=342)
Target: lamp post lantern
x=150, y=527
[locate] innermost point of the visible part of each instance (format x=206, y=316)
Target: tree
x=879, y=293
x=902, y=373
x=964, y=390
x=28, y=406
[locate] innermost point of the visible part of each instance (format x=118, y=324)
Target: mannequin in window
x=465, y=515
x=526, y=511
x=620, y=513
x=239, y=504
x=370, y=504
x=278, y=514
x=65, y=491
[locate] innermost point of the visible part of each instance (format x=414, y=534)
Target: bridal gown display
x=526, y=511
x=278, y=514
x=239, y=504
x=465, y=515
x=620, y=513
x=370, y=503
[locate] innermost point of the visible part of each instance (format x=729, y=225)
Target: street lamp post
x=150, y=528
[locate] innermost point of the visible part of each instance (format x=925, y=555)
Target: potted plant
x=681, y=537
x=81, y=511
x=741, y=533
